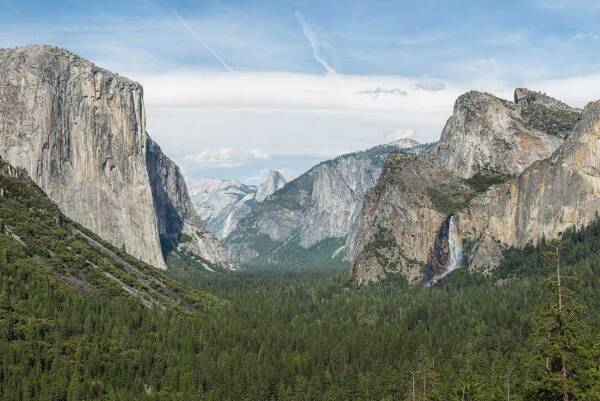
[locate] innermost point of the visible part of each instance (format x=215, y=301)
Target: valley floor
x=304, y=335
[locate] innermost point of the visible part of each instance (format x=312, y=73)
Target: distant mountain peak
x=274, y=181
x=405, y=143
x=222, y=203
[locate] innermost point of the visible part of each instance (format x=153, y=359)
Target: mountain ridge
x=223, y=203
x=405, y=221
x=315, y=212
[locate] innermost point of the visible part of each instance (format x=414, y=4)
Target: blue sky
x=235, y=87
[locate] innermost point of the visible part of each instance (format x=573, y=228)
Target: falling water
x=454, y=251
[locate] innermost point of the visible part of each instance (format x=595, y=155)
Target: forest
x=76, y=324
x=309, y=335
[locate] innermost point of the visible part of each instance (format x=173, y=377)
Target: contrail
x=314, y=44
x=210, y=49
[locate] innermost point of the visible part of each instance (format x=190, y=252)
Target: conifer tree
x=557, y=338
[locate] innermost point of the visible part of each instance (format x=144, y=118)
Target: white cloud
x=585, y=36
x=293, y=116
x=375, y=93
x=287, y=116
x=401, y=133
x=314, y=44
x=430, y=85
x=222, y=158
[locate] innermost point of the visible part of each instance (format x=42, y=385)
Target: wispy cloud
x=223, y=158
x=199, y=39
x=375, y=93
x=430, y=85
x=585, y=36
x=314, y=44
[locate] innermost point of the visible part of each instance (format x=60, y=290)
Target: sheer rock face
x=485, y=141
x=552, y=195
x=400, y=219
x=318, y=205
x=222, y=203
x=175, y=213
x=80, y=133
x=486, y=133
x=274, y=182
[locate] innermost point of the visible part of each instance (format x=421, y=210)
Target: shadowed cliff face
x=80, y=133
x=495, y=169
x=179, y=226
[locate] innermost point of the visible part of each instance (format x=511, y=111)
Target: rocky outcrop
x=80, y=133
x=274, y=181
x=486, y=133
x=486, y=142
x=551, y=196
x=542, y=112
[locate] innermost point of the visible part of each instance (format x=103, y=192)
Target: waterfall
x=455, y=254
x=454, y=246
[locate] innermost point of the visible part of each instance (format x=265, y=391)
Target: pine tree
x=557, y=337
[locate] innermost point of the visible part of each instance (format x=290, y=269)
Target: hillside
x=311, y=221
x=38, y=239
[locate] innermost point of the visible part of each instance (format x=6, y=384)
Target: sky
x=233, y=88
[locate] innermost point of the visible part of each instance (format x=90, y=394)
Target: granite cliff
x=487, y=144
x=80, y=133
x=554, y=194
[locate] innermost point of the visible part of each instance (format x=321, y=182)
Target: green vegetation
x=286, y=335
x=577, y=246
x=554, y=121
x=36, y=234
x=291, y=255
x=448, y=198
x=481, y=181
